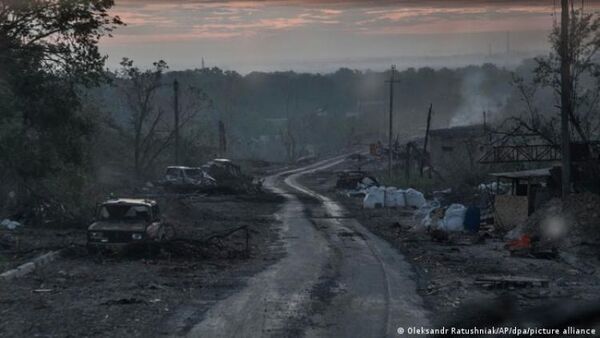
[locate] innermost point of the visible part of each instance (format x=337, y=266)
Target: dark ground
x=448, y=270
x=138, y=294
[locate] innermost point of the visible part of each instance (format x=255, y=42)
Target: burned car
x=229, y=176
x=121, y=222
x=185, y=179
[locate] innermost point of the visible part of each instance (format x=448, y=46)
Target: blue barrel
x=472, y=219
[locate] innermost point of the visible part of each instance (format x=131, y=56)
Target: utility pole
x=565, y=98
x=176, y=110
x=426, y=138
x=407, y=164
x=391, y=119
x=222, y=140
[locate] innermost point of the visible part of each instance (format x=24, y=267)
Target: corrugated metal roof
x=524, y=173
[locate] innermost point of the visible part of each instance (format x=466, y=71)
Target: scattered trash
x=524, y=242
x=10, y=225
x=124, y=301
x=42, y=290
x=355, y=179
x=505, y=282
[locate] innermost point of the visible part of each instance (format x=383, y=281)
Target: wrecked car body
x=122, y=222
x=229, y=176
x=184, y=179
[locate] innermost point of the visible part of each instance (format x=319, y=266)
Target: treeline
x=281, y=116
x=70, y=130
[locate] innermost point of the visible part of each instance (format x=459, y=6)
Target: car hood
x=118, y=226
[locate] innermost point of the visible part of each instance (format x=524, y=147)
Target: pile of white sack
x=391, y=197
x=454, y=218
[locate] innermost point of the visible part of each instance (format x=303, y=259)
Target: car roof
x=184, y=168
x=130, y=201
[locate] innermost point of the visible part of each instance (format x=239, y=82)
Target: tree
x=584, y=43
x=149, y=130
x=59, y=36
x=47, y=49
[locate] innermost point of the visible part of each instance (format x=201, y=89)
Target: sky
x=321, y=36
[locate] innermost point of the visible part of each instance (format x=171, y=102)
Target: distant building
x=456, y=148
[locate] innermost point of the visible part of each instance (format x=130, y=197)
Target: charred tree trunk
x=566, y=108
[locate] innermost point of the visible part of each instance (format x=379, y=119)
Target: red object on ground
x=522, y=243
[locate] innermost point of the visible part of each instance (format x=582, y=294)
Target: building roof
x=133, y=201
x=545, y=172
x=467, y=131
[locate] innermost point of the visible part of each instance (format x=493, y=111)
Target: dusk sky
x=308, y=35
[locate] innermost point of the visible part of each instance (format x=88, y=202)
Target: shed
x=528, y=191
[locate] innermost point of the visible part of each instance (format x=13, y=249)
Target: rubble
x=511, y=282
x=564, y=224
x=355, y=180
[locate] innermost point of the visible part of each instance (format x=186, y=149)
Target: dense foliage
x=48, y=55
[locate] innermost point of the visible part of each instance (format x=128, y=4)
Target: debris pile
x=355, y=180
x=564, y=224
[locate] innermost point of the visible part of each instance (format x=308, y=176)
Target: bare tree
x=584, y=43
x=151, y=129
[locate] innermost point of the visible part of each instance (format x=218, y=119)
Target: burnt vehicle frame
x=123, y=222
x=185, y=179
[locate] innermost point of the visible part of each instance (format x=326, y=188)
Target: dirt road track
x=336, y=280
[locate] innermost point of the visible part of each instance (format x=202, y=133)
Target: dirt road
x=336, y=280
